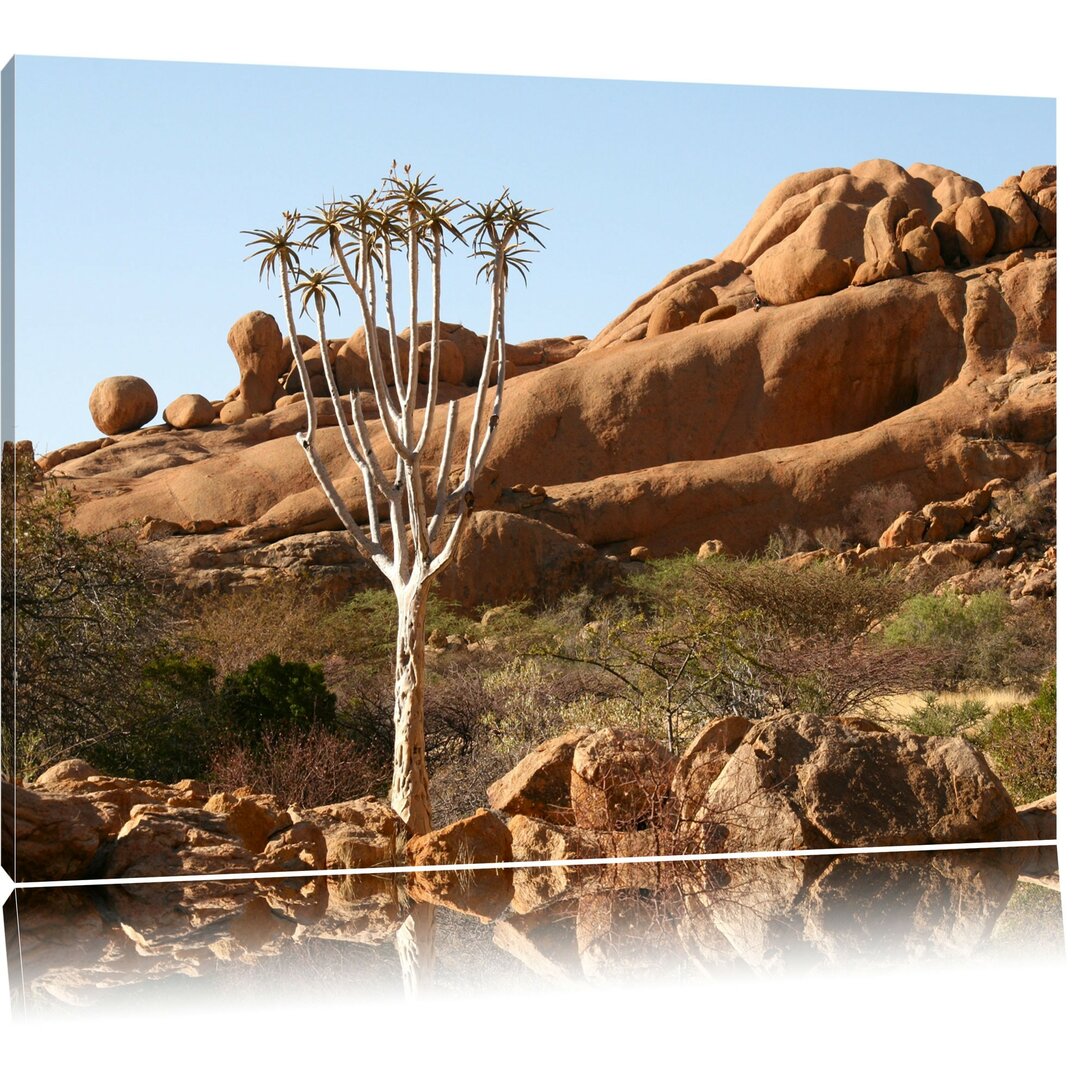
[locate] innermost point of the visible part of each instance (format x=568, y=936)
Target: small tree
x=408, y=215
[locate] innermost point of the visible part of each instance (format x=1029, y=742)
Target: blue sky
x=134, y=180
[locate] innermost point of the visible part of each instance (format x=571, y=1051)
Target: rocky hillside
x=873, y=327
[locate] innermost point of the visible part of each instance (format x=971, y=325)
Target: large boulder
x=683, y=307
x=480, y=838
x=68, y=769
x=49, y=836
x=879, y=236
x=122, y=403
x=538, y=786
x=115, y=797
x=548, y=562
x=803, y=781
x=451, y=362
x=702, y=762
x=159, y=841
x=944, y=226
x=1043, y=205
x=298, y=846
x=923, y=250
x=787, y=274
x=351, y=367
x=620, y=781
x=893, y=265
x=252, y=818
x=255, y=340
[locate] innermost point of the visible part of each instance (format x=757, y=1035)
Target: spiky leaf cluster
x=405, y=209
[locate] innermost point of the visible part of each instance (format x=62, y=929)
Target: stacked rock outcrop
x=690, y=417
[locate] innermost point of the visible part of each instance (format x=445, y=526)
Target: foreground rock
x=481, y=838
x=360, y=833
x=619, y=781
x=801, y=781
x=539, y=785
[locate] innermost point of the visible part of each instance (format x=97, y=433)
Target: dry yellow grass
x=901, y=706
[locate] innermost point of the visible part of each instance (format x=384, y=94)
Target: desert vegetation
x=283, y=689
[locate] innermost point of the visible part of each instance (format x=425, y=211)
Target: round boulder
x=190, y=411
x=122, y=403
x=235, y=412
x=922, y=249
x=1014, y=223
x=451, y=362
x=682, y=308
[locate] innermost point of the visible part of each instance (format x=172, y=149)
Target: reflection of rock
x=750, y=904
x=624, y=933
x=901, y=907
x=544, y=941
x=540, y=841
x=74, y=944
x=484, y=894
x=713, y=917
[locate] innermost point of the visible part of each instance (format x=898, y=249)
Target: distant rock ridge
x=871, y=326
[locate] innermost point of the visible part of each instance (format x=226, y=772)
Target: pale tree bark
x=409, y=788
x=420, y=542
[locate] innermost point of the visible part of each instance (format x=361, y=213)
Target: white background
x=988, y=1022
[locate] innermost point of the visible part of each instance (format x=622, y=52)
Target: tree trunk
x=409, y=788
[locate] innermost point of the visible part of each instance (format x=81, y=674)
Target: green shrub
x=946, y=619
x=174, y=726
x=82, y=619
x=272, y=697
x=808, y=638
x=1021, y=743
x=935, y=717
x=981, y=640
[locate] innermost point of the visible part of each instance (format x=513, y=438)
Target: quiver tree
x=406, y=217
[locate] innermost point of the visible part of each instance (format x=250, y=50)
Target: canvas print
x=418, y=498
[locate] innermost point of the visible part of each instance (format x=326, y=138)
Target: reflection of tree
x=415, y=944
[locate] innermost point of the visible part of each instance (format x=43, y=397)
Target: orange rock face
x=691, y=417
